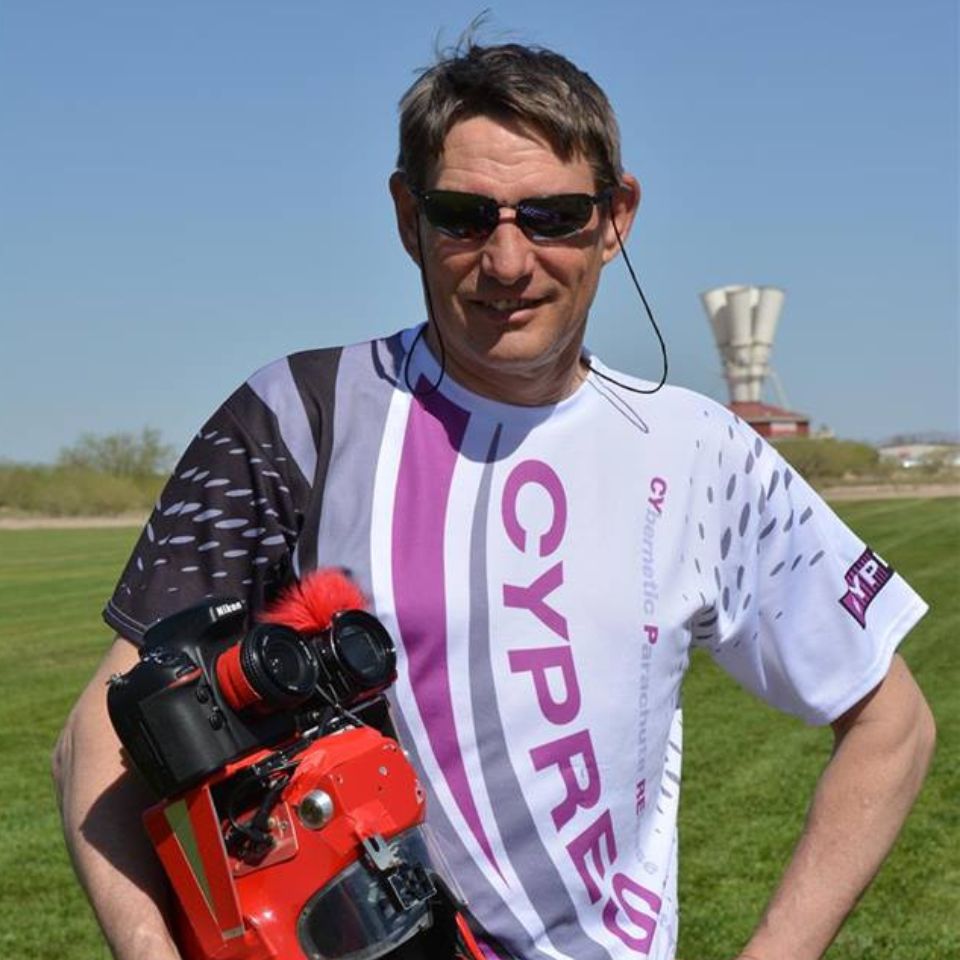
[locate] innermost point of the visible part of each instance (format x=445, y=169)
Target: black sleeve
x=226, y=524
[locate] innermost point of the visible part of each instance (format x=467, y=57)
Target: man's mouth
x=511, y=305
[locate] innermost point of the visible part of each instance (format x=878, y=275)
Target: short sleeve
x=805, y=614
x=226, y=524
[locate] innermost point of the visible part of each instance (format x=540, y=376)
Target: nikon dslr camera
x=201, y=698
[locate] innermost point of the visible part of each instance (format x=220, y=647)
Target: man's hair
x=531, y=85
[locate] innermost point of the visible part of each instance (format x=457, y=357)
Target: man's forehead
x=505, y=151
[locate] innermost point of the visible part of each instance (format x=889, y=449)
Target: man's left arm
x=883, y=746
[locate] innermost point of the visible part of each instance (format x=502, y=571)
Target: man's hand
x=883, y=746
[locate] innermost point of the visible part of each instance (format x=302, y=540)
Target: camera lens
x=285, y=662
x=362, y=655
x=272, y=667
x=363, y=650
x=278, y=664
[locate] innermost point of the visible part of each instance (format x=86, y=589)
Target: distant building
x=918, y=454
x=744, y=321
x=771, y=422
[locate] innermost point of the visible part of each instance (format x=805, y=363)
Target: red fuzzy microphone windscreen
x=308, y=605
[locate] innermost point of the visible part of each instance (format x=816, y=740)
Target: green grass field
x=736, y=829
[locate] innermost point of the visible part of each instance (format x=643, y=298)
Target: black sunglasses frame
x=479, y=215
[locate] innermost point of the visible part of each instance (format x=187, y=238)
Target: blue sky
x=190, y=189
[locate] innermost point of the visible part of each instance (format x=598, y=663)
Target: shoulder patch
x=865, y=579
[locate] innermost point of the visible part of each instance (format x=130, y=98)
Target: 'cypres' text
x=629, y=909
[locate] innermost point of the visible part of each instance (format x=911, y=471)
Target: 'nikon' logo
x=225, y=608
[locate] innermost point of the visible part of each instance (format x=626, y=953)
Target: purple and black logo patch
x=865, y=579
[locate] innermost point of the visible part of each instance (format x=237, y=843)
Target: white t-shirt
x=545, y=573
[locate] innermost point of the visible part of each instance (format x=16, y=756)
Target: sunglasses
x=471, y=216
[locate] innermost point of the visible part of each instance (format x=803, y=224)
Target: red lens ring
x=233, y=682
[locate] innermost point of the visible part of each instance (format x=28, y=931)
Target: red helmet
x=343, y=867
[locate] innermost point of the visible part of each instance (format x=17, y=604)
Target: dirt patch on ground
x=890, y=491
x=39, y=522
x=866, y=491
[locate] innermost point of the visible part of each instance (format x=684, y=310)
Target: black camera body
x=204, y=693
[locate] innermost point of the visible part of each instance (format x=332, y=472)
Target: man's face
x=511, y=310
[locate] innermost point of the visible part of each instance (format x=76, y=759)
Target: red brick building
x=771, y=422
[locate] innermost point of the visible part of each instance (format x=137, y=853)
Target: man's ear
x=623, y=209
x=405, y=205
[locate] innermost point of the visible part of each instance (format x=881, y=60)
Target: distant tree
x=829, y=459
x=120, y=454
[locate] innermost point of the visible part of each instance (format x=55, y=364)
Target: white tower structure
x=744, y=322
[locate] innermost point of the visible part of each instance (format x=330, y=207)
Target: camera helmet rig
x=290, y=824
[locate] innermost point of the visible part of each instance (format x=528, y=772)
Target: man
x=545, y=543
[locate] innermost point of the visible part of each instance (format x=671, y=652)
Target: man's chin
x=508, y=372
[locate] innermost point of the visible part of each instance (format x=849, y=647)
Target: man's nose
x=507, y=254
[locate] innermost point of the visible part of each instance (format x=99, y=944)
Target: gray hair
x=532, y=85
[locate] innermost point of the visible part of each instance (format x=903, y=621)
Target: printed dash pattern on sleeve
x=225, y=525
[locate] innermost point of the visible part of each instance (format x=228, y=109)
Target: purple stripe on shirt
x=486, y=950
x=434, y=434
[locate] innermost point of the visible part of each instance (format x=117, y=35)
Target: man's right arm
x=101, y=802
